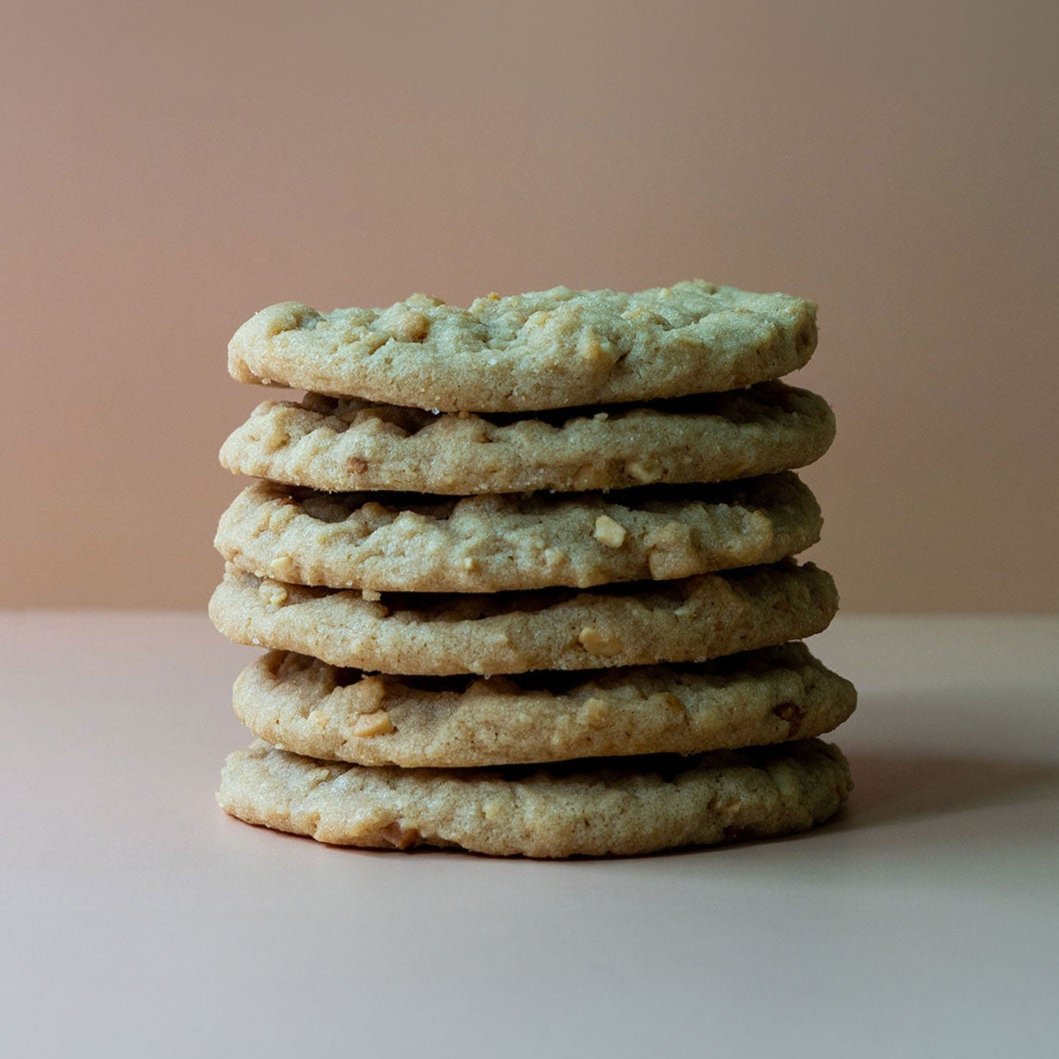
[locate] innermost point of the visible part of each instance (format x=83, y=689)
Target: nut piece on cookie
x=643, y=471
x=609, y=532
x=272, y=595
x=282, y=567
x=594, y=713
x=671, y=552
x=372, y=724
x=599, y=643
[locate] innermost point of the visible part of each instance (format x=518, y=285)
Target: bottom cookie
x=607, y=807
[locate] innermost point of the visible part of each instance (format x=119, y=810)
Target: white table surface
x=140, y=920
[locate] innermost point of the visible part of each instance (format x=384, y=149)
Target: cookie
x=415, y=543
x=768, y=696
x=636, y=624
x=550, y=349
x=347, y=445
x=622, y=807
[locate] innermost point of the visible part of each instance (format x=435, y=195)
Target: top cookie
x=527, y=352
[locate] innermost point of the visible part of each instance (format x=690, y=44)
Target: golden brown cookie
x=548, y=349
x=767, y=696
x=347, y=445
x=637, y=624
x=595, y=808
x=416, y=543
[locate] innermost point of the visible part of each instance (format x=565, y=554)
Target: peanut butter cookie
x=549, y=349
x=608, y=807
x=768, y=696
x=636, y=624
x=348, y=445
x=494, y=543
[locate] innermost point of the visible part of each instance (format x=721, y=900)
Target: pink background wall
x=168, y=169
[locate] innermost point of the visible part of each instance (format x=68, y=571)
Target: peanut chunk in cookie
x=372, y=724
x=643, y=471
x=594, y=713
x=282, y=567
x=370, y=693
x=597, y=350
x=599, y=643
x=609, y=532
x=272, y=595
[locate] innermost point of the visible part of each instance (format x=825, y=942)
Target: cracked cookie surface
x=526, y=352
x=348, y=445
x=625, y=625
x=415, y=543
x=768, y=696
x=598, y=808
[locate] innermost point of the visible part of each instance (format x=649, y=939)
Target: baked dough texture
x=347, y=445
x=637, y=624
x=308, y=707
x=547, y=349
x=496, y=543
x=623, y=807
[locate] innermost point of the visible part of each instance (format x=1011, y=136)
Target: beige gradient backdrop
x=170, y=168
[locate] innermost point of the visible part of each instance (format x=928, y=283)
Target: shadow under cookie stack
x=524, y=573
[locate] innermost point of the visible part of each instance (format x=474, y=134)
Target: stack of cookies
x=524, y=572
